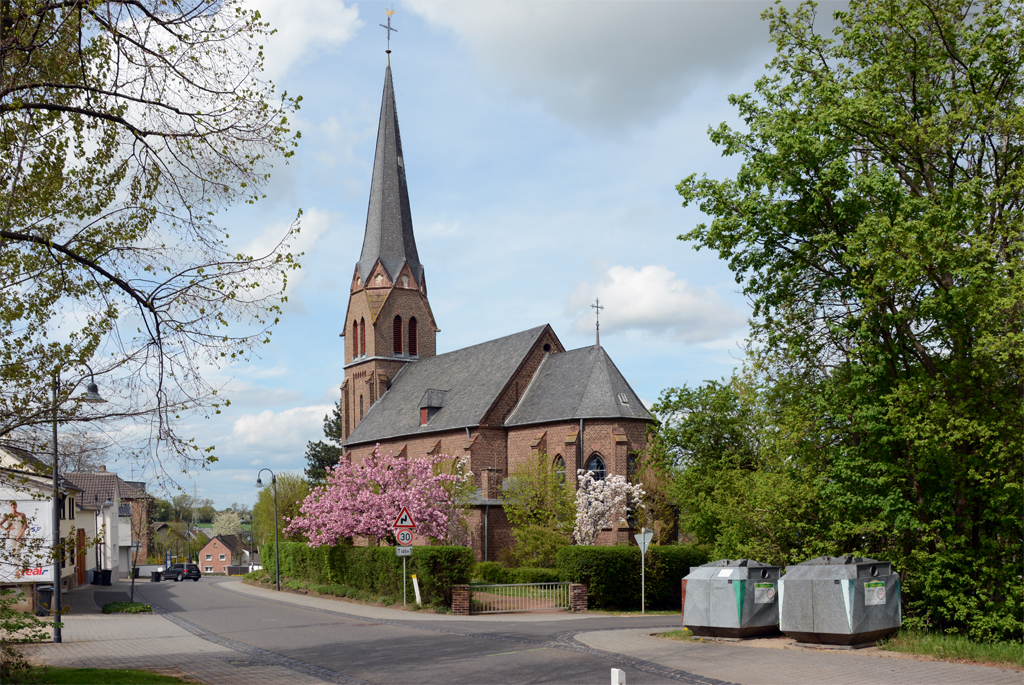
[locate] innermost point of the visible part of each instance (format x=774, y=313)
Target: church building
x=497, y=402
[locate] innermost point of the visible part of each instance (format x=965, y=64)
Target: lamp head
x=92, y=395
x=259, y=482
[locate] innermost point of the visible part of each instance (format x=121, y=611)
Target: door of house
x=80, y=561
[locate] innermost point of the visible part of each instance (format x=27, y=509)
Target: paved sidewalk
x=153, y=642
x=750, y=665
x=163, y=642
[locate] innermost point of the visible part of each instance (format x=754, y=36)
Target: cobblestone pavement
x=167, y=643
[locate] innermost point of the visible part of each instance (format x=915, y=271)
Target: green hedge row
x=612, y=574
x=376, y=570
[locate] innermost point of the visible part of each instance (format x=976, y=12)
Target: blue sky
x=543, y=142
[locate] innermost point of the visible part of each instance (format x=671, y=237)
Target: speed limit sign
x=404, y=537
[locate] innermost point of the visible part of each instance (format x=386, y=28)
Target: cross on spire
x=597, y=314
x=387, y=27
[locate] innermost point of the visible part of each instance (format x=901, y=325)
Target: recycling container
x=844, y=600
x=733, y=598
x=155, y=576
x=105, y=576
x=44, y=600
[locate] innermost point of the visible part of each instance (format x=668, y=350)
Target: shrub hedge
x=376, y=570
x=612, y=574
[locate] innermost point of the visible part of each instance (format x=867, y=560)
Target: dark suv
x=178, y=572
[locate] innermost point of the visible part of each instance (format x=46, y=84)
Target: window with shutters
x=396, y=334
x=414, y=347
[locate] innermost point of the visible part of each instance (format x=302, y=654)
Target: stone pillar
x=460, y=599
x=577, y=597
x=490, y=483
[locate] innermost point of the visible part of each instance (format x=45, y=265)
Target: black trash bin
x=135, y=572
x=44, y=600
x=105, y=573
x=155, y=577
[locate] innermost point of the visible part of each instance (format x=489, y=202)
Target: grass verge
x=126, y=608
x=683, y=634
x=955, y=648
x=91, y=676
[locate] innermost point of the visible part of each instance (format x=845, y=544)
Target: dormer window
x=433, y=401
x=623, y=398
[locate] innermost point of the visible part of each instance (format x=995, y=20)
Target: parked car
x=178, y=572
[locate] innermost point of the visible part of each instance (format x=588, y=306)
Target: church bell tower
x=389, y=322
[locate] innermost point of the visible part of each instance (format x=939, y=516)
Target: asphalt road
x=384, y=651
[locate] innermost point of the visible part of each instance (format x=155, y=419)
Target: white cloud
x=606, y=63
x=304, y=27
x=653, y=299
x=313, y=225
x=283, y=432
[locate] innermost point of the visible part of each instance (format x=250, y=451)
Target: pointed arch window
x=355, y=338
x=596, y=465
x=414, y=347
x=560, y=468
x=396, y=334
x=360, y=406
x=362, y=337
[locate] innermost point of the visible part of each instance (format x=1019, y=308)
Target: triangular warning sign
x=404, y=520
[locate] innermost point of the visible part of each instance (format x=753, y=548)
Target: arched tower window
x=596, y=465
x=355, y=338
x=560, y=468
x=362, y=337
x=397, y=335
x=414, y=347
x=360, y=406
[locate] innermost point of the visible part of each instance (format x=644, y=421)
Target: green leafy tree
x=539, y=504
x=320, y=455
x=126, y=126
x=292, y=490
x=876, y=226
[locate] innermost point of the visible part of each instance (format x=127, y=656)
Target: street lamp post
x=92, y=395
x=277, y=546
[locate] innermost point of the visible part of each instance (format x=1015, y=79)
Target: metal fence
x=499, y=599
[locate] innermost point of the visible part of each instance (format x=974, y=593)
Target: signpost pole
x=403, y=581
x=643, y=538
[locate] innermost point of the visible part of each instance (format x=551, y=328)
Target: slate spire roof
x=389, y=236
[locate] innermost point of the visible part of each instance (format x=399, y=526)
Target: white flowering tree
x=601, y=503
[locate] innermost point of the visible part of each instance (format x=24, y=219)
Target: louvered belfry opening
x=362, y=337
x=413, y=346
x=397, y=335
x=355, y=338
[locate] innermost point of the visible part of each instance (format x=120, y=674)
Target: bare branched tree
x=126, y=126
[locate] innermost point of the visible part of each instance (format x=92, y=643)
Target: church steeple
x=389, y=322
x=389, y=237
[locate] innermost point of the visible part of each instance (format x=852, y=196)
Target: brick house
x=223, y=551
x=498, y=402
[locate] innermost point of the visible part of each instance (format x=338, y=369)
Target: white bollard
x=416, y=587
x=618, y=677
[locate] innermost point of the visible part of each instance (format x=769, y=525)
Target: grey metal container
x=839, y=601
x=731, y=598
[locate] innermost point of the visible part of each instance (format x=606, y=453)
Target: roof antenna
x=597, y=314
x=387, y=27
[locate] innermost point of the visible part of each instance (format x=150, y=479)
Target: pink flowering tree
x=364, y=499
x=601, y=503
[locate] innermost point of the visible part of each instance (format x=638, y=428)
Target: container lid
x=736, y=563
x=837, y=561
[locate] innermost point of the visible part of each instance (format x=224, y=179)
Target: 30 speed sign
x=404, y=536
